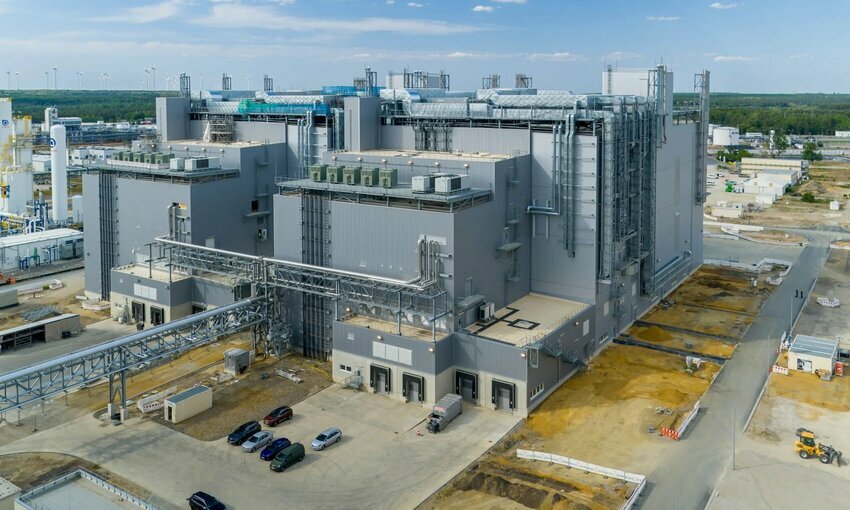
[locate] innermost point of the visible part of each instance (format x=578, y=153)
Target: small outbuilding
x=184, y=405
x=811, y=353
x=236, y=361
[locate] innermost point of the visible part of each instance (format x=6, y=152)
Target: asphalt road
x=686, y=477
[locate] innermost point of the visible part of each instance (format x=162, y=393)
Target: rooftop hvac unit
x=369, y=176
x=195, y=164
x=334, y=174
x=177, y=164
x=451, y=184
x=423, y=183
x=149, y=157
x=138, y=157
x=318, y=172
x=162, y=159
x=388, y=178
x=351, y=175
x=486, y=311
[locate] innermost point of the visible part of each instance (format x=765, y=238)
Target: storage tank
x=725, y=136
x=59, y=173
x=77, y=208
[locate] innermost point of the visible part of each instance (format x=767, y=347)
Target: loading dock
x=503, y=395
x=413, y=388
x=137, y=311
x=466, y=385
x=379, y=379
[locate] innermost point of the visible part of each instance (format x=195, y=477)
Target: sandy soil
x=683, y=341
x=29, y=470
x=249, y=397
x=613, y=402
x=832, y=395
x=700, y=320
x=776, y=235
x=723, y=289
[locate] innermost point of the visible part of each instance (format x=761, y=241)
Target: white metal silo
x=59, y=173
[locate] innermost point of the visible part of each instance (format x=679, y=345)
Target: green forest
x=801, y=114
x=90, y=105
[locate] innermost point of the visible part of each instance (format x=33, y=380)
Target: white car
x=257, y=441
x=326, y=439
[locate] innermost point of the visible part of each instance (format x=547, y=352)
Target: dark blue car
x=274, y=448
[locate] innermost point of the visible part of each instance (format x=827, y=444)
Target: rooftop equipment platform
x=528, y=319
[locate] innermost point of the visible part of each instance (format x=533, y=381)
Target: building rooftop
x=223, y=145
x=400, y=191
x=30, y=325
x=35, y=237
x=191, y=392
x=80, y=489
x=7, y=488
x=430, y=155
x=158, y=274
x=391, y=327
x=528, y=319
x=814, y=346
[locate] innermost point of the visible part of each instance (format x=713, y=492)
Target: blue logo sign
x=53, y=142
x=5, y=122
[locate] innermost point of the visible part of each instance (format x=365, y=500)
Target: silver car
x=326, y=439
x=257, y=441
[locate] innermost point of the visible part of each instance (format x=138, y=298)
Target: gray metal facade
x=595, y=199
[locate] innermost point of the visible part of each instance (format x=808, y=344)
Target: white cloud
x=390, y=2
x=733, y=58
x=621, y=55
x=663, y=18
x=234, y=16
x=802, y=56
x=145, y=13
x=718, y=5
x=483, y=8
x=558, y=56
x=510, y=1
x=415, y=4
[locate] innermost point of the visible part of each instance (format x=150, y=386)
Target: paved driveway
x=381, y=462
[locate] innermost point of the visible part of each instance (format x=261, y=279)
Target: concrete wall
x=172, y=118
x=362, y=123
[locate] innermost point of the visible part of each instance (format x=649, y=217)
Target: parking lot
x=386, y=458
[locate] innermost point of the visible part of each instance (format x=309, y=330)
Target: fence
x=154, y=402
x=25, y=500
x=687, y=421
x=587, y=467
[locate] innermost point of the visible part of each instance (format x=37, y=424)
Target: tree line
x=90, y=105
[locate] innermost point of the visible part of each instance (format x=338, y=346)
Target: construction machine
x=806, y=447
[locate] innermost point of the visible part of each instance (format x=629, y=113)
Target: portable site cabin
x=184, y=405
x=811, y=353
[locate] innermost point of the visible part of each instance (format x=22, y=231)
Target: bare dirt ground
x=831, y=395
x=683, y=341
x=777, y=235
x=613, y=402
x=63, y=299
x=30, y=470
x=250, y=396
x=700, y=320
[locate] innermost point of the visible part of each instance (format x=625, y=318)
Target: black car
x=203, y=501
x=241, y=434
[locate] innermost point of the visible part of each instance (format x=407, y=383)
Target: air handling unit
x=388, y=178
x=423, y=183
x=451, y=184
x=334, y=174
x=351, y=175
x=369, y=176
x=318, y=172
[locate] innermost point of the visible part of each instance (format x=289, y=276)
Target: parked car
x=203, y=501
x=273, y=448
x=287, y=457
x=326, y=439
x=277, y=416
x=243, y=432
x=257, y=441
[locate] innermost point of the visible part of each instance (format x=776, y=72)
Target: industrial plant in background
x=32, y=232
x=485, y=243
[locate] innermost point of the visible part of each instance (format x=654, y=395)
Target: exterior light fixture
x=380, y=338
x=522, y=354
x=430, y=349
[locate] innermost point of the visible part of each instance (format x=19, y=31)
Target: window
x=345, y=368
x=255, y=205
x=537, y=390
x=157, y=316
x=351, y=336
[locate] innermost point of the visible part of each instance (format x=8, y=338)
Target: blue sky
x=750, y=46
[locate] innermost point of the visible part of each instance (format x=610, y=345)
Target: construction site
x=644, y=384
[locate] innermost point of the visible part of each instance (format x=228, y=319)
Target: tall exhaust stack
x=59, y=173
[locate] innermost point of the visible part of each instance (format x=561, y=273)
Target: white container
x=423, y=183
x=177, y=164
x=451, y=184
x=184, y=405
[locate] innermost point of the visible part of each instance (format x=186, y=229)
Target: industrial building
x=428, y=241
